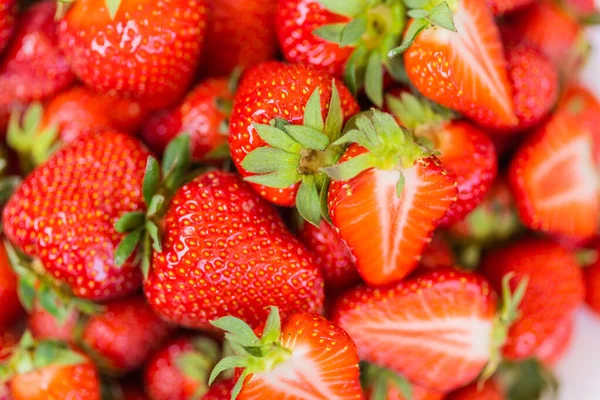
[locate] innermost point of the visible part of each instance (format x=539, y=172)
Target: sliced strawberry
x=436, y=330
x=464, y=70
x=553, y=175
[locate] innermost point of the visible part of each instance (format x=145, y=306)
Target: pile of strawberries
x=294, y=199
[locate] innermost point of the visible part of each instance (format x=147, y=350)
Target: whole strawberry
x=442, y=318
x=32, y=67
x=387, y=196
x=290, y=115
x=225, y=251
x=238, y=34
x=349, y=39
x=556, y=345
x=63, y=214
x=554, y=290
x=119, y=338
x=147, y=51
x=304, y=357
x=203, y=115
x=8, y=11
x=461, y=67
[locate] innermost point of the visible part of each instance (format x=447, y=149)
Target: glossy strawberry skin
x=395, y=327
x=154, y=61
x=79, y=110
x=163, y=379
x=11, y=307
x=32, y=67
x=332, y=255
x=236, y=243
x=220, y=390
x=556, y=345
x=8, y=11
x=74, y=382
x=489, y=390
x=296, y=20
x=273, y=90
x=238, y=34
x=64, y=213
x=554, y=290
x=198, y=115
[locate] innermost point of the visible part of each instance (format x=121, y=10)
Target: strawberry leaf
x=156, y=203
x=349, y=8
x=307, y=200
x=335, y=115
x=374, y=79
x=411, y=34
x=277, y=138
x=50, y=302
x=351, y=168
x=312, y=111
x=441, y=15
x=151, y=181
x=308, y=137
x=353, y=31
x=146, y=255
x=400, y=185
x=130, y=221
x=323, y=200
x=331, y=32
x=354, y=68
x=417, y=13
x=279, y=179
x=26, y=291
x=43, y=145
x=33, y=117
x=127, y=246
x=272, y=329
x=152, y=230
x=269, y=159
x=239, y=331
x=416, y=3
x=113, y=7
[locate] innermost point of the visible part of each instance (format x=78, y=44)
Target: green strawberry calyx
x=389, y=146
x=374, y=29
x=197, y=363
x=297, y=153
x=31, y=355
x=251, y=353
x=160, y=183
x=379, y=379
x=506, y=316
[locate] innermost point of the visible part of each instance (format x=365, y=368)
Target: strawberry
x=438, y=330
x=546, y=25
x=32, y=68
x=203, y=114
x=120, y=338
x=462, y=68
x=221, y=390
x=64, y=211
x=384, y=384
x=110, y=49
x=180, y=369
x=236, y=229
x=386, y=198
x=554, y=290
x=465, y=150
x=489, y=390
x=48, y=370
x=592, y=283
x=8, y=11
x=501, y=7
x=554, y=347
x=438, y=253
x=275, y=117
x=332, y=254
x=11, y=308
x=535, y=86
x=306, y=358
x=66, y=117
x=553, y=174
x=238, y=34
x=581, y=8
x=132, y=392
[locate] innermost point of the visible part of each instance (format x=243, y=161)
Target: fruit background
x=299, y=199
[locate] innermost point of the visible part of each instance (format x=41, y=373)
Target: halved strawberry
x=307, y=358
x=464, y=70
x=553, y=175
x=438, y=329
x=386, y=198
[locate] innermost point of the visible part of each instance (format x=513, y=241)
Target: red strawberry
x=308, y=358
x=204, y=115
x=349, y=39
x=592, y=284
x=554, y=290
x=57, y=373
x=465, y=150
x=32, y=67
x=500, y=7
x=555, y=346
x=384, y=384
x=387, y=197
x=553, y=175
x=64, y=211
x=146, y=51
x=8, y=10
x=287, y=96
x=11, y=308
x=221, y=390
x=548, y=27
x=120, y=338
x=463, y=70
x=225, y=251
x=238, y=34
x=490, y=390
x=535, y=85
x=180, y=370
x=438, y=253
x=332, y=255
x=438, y=330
